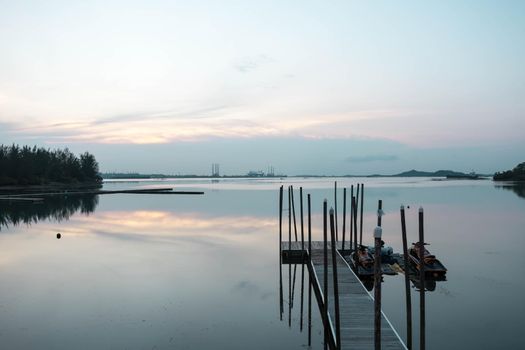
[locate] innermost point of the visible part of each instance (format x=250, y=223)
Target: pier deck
x=355, y=303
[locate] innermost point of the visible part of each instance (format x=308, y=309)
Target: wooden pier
x=356, y=305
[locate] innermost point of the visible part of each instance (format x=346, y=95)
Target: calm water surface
x=202, y=272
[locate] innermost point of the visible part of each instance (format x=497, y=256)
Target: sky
x=308, y=87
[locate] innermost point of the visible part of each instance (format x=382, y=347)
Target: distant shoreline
x=51, y=187
x=410, y=173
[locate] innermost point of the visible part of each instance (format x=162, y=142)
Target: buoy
x=59, y=235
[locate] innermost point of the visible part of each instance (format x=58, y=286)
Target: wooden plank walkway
x=356, y=304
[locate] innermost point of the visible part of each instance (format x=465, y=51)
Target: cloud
x=372, y=158
x=248, y=64
x=223, y=121
x=198, y=123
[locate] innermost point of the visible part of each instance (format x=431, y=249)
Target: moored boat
x=363, y=262
x=432, y=264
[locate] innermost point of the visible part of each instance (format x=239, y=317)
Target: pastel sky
x=317, y=87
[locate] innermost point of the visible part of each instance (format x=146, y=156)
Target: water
x=202, y=272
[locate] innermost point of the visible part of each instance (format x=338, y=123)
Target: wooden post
x=354, y=214
x=302, y=297
x=336, y=285
x=377, y=288
x=335, y=201
x=293, y=213
x=281, y=305
x=356, y=210
x=289, y=219
x=293, y=284
x=302, y=221
x=422, y=282
x=309, y=277
x=407, y=280
x=344, y=217
x=361, y=224
x=290, y=295
x=280, y=221
x=351, y=217
x=289, y=252
x=379, y=212
x=325, y=275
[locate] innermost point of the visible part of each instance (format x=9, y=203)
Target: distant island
x=31, y=166
x=516, y=174
x=450, y=174
x=439, y=173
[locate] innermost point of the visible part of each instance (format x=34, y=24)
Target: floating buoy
x=59, y=235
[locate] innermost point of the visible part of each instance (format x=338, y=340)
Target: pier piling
x=361, y=223
x=344, y=217
x=325, y=277
x=422, y=281
x=302, y=221
x=335, y=282
x=293, y=213
x=309, y=276
x=335, y=205
x=351, y=240
x=280, y=252
x=354, y=214
x=407, y=279
x=377, y=277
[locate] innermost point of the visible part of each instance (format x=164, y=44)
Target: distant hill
x=516, y=174
x=439, y=173
x=417, y=173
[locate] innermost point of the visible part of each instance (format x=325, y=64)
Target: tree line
x=516, y=174
x=37, y=166
x=56, y=208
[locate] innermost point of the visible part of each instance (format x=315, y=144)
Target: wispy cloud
x=248, y=64
x=372, y=158
x=215, y=121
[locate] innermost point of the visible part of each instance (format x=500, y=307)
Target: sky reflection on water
x=145, y=271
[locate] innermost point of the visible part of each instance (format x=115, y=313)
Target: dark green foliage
x=37, y=166
x=516, y=174
x=55, y=208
